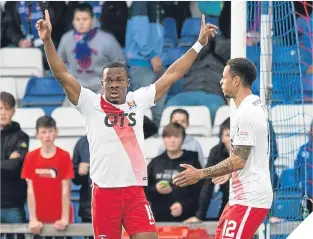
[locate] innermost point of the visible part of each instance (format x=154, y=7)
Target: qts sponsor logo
x=121, y=120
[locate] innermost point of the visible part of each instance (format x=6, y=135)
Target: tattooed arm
x=233, y=163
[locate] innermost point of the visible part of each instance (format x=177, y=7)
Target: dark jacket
x=217, y=154
x=206, y=72
x=13, y=188
x=81, y=154
x=164, y=168
x=12, y=21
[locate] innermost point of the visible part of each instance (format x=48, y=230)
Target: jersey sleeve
x=28, y=169
x=145, y=96
x=246, y=132
x=85, y=101
x=67, y=171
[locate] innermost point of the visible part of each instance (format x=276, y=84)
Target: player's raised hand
x=207, y=32
x=44, y=27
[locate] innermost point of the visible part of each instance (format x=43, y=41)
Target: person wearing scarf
x=86, y=49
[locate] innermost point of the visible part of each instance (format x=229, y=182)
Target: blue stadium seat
x=253, y=53
x=170, y=32
x=190, y=32
x=77, y=218
x=287, y=179
x=175, y=89
x=308, y=87
x=170, y=55
x=285, y=59
x=287, y=208
x=46, y=93
x=215, y=205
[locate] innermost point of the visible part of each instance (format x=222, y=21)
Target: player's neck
x=241, y=95
x=174, y=154
x=48, y=151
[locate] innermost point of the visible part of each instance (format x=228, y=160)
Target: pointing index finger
x=47, y=16
x=203, y=21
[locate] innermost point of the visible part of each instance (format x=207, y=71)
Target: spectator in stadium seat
x=202, y=83
x=86, y=50
x=81, y=161
x=48, y=171
x=144, y=47
x=181, y=117
x=217, y=154
x=21, y=18
x=169, y=202
x=14, y=146
x=305, y=160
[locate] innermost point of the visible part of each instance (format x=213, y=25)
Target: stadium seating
x=289, y=118
x=14, y=64
x=170, y=32
x=46, y=93
x=69, y=121
x=221, y=115
x=170, y=55
x=27, y=119
x=152, y=146
x=207, y=143
x=287, y=208
x=8, y=84
x=199, y=122
x=190, y=32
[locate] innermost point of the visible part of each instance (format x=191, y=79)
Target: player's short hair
x=243, y=68
x=180, y=111
x=7, y=99
x=116, y=64
x=225, y=125
x=45, y=122
x=174, y=129
x=84, y=7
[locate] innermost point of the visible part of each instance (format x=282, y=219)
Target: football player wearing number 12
x=114, y=124
x=247, y=168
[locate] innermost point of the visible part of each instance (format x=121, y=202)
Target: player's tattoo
x=222, y=168
x=242, y=151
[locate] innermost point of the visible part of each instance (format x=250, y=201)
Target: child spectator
x=14, y=146
x=48, y=171
x=169, y=202
x=181, y=117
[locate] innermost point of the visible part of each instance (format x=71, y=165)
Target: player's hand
x=207, y=32
x=163, y=189
x=24, y=43
x=44, y=27
x=221, y=179
x=176, y=209
x=60, y=225
x=83, y=168
x=15, y=155
x=188, y=177
x=35, y=226
x=157, y=64
x=192, y=220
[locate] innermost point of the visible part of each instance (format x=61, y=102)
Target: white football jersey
x=116, y=138
x=251, y=186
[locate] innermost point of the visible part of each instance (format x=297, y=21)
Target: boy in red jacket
x=48, y=171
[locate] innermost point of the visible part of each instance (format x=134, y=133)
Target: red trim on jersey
x=237, y=187
x=129, y=141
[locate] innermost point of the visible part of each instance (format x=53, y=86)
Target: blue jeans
x=198, y=98
x=13, y=215
x=141, y=77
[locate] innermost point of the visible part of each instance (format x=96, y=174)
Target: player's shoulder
x=140, y=94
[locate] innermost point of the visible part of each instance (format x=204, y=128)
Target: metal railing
x=85, y=229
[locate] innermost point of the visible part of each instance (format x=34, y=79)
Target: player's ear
x=236, y=81
x=128, y=82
